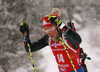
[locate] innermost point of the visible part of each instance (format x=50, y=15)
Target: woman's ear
x=57, y=27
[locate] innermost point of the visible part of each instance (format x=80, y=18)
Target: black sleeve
x=37, y=45
x=72, y=37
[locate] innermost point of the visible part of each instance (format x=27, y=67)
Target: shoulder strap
x=66, y=43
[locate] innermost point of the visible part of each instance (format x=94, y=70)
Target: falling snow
x=85, y=14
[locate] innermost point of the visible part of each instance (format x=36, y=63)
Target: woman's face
x=51, y=31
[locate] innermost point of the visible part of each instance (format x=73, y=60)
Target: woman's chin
x=53, y=37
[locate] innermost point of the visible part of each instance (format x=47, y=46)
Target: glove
x=24, y=28
x=55, y=20
x=71, y=25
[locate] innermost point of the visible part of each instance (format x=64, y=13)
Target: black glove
x=24, y=28
x=71, y=25
x=55, y=20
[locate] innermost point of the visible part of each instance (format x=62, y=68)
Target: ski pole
x=29, y=48
x=67, y=52
x=68, y=55
x=69, y=16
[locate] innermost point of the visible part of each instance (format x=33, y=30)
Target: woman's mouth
x=52, y=36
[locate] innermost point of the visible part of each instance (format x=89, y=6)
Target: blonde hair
x=56, y=11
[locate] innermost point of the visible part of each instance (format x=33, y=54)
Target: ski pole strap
x=68, y=55
x=31, y=57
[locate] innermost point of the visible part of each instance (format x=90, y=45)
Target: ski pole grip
x=25, y=33
x=27, y=39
